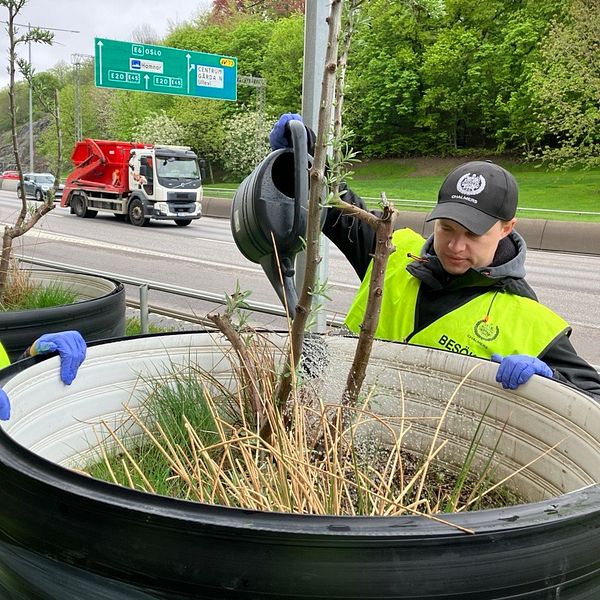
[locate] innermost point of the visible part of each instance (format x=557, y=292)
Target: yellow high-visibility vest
x=4, y=360
x=493, y=322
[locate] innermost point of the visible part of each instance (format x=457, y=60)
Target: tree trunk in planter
x=66, y=536
x=99, y=312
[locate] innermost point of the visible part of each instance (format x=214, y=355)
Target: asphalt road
x=203, y=256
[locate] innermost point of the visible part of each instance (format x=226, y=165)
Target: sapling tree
x=330, y=110
x=26, y=219
x=328, y=175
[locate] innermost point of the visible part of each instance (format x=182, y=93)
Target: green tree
x=159, y=128
x=246, y=143
x=452, y=76
x=565, y=89
x=383, y=79
x=516, y=58
x=283, y=63
x=204, y=125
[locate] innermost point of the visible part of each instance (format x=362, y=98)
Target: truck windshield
x=177, y=168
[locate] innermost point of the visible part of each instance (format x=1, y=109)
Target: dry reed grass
x=212, y=451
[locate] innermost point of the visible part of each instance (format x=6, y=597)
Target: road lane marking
x=59, y=237
x=56, y=237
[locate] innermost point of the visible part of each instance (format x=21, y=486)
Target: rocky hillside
x=7, y=157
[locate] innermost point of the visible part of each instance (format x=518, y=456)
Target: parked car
x=10, y=175
x=37, y=186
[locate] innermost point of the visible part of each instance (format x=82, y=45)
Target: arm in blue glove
x=4, y=406
x=69, y=345
x=517, y=369
x=279, y=138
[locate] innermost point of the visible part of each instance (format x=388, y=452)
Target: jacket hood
x=507, y=270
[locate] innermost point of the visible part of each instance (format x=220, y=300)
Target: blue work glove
x=278, y=138
x=517, y=369
x=69, y=345
x=4, y=406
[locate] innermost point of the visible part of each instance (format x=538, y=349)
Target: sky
x=113, y=19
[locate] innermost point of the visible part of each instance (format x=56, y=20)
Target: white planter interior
x=61, y=423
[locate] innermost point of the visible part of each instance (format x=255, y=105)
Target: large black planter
x=99, y=312
x=66, y=536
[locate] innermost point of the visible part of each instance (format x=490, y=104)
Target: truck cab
x=167, y=178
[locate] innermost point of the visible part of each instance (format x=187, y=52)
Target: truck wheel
x=136, y=213
x=183, y=222
x=80, y=208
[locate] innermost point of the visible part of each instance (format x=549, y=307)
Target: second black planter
x=99, y=312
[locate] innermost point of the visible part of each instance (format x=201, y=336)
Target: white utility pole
x=315, y=44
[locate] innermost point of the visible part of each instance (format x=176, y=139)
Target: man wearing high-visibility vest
x=71, y=348
x=463, y=289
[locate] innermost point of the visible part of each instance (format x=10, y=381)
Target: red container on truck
x=135, y=181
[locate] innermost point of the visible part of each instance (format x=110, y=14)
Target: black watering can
x=269, y=214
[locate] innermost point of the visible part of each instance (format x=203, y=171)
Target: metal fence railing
x=146, y=285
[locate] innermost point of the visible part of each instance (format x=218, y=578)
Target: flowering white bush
x=159, y=128
x=246, y=143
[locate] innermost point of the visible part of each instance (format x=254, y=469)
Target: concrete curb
x=8, y=185
x=539, y=234
x=216, y=207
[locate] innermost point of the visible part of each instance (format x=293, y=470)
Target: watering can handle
x=299, y=144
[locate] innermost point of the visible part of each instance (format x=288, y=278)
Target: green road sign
x=163, y=70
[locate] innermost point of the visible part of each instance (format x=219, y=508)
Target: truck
x=136, y=182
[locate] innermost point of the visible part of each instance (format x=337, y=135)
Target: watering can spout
x=269, y=214
x=280, y=274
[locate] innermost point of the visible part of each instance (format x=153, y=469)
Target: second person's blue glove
x=517, y=369
x=4, y=406
x=69, y=345
x=279, y=138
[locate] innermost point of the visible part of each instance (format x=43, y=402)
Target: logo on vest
x=471, y=184
x=486, y=331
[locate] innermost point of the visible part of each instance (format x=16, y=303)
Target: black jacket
x=440, y=292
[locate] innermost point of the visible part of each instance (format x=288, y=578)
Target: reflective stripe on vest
x=4, y=360
x=494, y=321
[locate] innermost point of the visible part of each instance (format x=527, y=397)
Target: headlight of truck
x=162, y=206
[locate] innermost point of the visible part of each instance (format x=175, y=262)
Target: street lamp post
x=31, y=169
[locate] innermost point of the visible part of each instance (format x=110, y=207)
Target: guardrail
x=145, y=285
x=227, y=193
x=540, y=234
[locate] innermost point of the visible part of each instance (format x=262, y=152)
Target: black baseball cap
x=476, y=195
